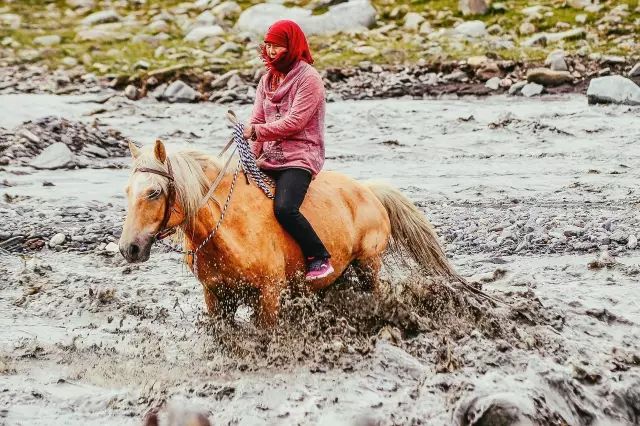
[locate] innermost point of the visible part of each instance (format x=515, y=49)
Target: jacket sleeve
x=309, y=95
x=257, y=116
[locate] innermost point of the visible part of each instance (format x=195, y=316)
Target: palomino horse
x=356, y=221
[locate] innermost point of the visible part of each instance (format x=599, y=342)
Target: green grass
x=329, y=52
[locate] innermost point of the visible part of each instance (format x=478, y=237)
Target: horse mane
x=189, y=170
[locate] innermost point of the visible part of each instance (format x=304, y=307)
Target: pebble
x=131, y=92
x=112, y=248
x=57, y=239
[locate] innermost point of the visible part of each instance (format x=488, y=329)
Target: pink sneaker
x=318, y=268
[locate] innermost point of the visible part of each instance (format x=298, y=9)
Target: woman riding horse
x=287, y=127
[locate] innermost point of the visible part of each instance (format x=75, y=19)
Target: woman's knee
x=284, y=211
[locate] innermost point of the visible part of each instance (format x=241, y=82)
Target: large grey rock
x=55, y=156
x=549, y=78
x=493, y=83
x=200, y=33
x=613, y=89
x=354, y=15
x=472, y=29
x=474, y=7
x=531, y=89
x=102, y=17
x=179, y=91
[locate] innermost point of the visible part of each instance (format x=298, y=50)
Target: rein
x=247, y=164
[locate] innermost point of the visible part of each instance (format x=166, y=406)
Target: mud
x=525, y=195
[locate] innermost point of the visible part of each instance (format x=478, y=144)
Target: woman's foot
x=317, y=268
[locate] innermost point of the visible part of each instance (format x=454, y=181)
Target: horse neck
x=208, y=217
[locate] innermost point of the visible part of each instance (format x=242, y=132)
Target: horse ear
x=135, y=151
x=159, y=151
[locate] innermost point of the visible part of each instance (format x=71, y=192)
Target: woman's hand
x=248, y=131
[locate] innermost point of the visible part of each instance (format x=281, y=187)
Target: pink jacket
x=289, y=122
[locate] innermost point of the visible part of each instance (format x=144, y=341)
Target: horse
x=238, y=243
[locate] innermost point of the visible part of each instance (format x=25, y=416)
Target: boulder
x=102, y=17
x=55, y=156
x=179, y=91
x=613, y=89
x=549, y=78
x=472, y=29
x=474, y=7
x=531, y=89
x=516, y=87
x=354, y=15
x=200, y=33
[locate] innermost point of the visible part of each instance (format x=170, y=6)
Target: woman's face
x=273, y=50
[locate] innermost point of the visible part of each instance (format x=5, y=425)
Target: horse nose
x=134, y=251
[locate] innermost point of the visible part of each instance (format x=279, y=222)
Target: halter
x=163, y=230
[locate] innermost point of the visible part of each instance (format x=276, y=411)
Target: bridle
x=163, y=230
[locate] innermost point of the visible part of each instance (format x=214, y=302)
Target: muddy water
x=88, y=339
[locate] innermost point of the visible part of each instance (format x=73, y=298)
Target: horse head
x=152, y=205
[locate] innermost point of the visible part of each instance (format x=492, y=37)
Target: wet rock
x=131, y=92
x=635, y=71
x=473, y=7
x=473, y=29
x=556, y=61
x=549, y=78
x=531, y=89
x=102, y=17
x=55, y=156
x=613, y=89
x=179, y=91
x=57, y=239
x=200, y=33
x=493, y=83
x=354, y=15
x=48, y=40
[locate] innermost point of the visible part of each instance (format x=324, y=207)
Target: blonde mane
x=189, y=170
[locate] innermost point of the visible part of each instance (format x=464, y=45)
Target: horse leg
x=220, y=302
x=269, y=304
x=368, y=272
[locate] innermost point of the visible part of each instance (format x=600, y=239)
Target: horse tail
x=412, y=233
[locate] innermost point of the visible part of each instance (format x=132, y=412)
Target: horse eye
x=155, y=194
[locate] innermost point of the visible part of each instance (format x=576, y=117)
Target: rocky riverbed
x=535, y=199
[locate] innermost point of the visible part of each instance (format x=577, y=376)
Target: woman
x=287, y=127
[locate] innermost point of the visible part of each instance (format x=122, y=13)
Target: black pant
x=291, y=188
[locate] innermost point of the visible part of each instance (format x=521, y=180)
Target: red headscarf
x=287, y=34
